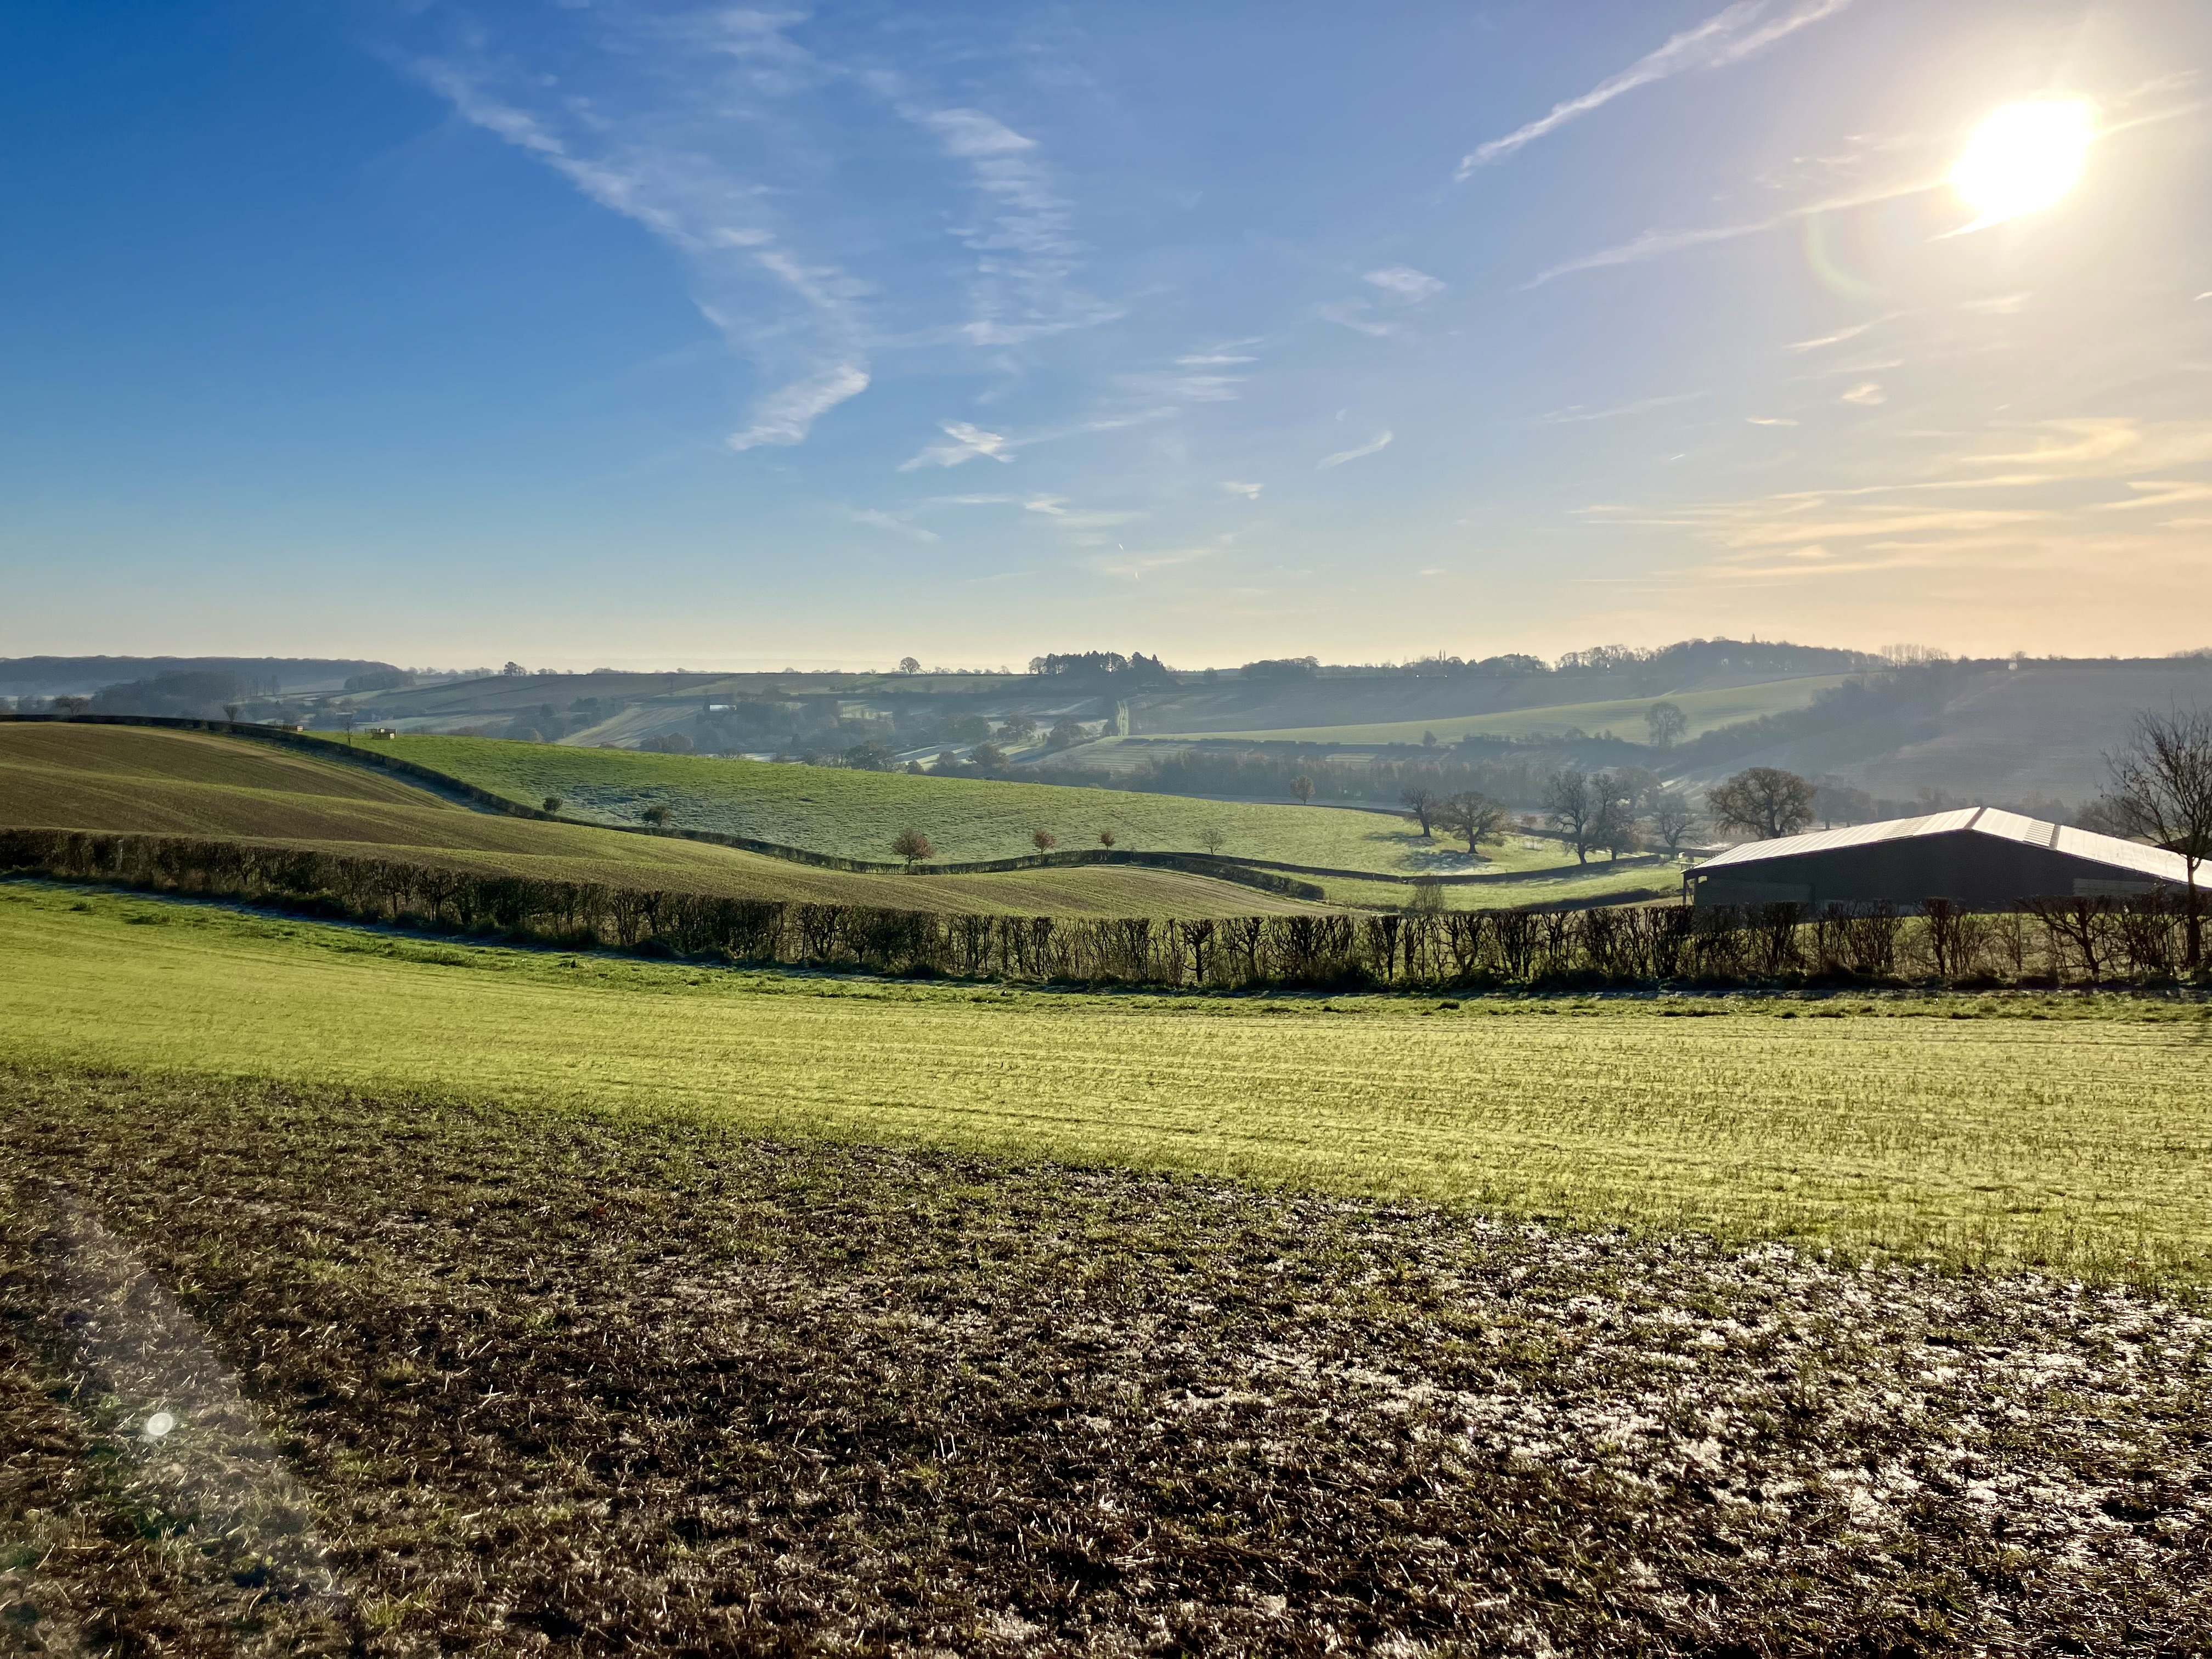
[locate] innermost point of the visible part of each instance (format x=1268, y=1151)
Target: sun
x=2023, y=158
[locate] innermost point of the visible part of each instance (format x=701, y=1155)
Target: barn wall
x=1984, y=872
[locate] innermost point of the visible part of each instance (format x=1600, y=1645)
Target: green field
x=2072, y=1131
x=1707, y=709
x=184, y=783
x=857, y=814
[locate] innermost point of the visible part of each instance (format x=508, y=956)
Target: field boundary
x=2042, y=942
x=1242, y=872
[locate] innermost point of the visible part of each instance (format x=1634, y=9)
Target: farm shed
x=1977, y=856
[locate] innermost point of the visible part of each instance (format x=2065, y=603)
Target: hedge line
x=2052, y=941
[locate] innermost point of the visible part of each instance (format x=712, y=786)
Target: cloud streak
x=1374, y=446
x=1728, y=37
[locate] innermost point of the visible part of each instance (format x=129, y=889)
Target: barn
x=1978, y=857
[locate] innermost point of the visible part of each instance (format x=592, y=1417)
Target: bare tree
x=1666, y=723
x=1302, y=787
x=911, y=844
x=1213, y=838
x=1422, y=803
x=71, y=707
x=1764, y=800
x=1476, y=815
x=2162, y=792
x=1573, y=806
x=1043, y=840
x=1674, y=819
x=230, y=711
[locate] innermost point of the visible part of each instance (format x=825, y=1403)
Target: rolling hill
x=191, y=784
x=855, y=814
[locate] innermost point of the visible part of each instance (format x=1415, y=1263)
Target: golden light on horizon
x=2023, y=158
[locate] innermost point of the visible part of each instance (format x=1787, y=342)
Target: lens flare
x=2023, y=158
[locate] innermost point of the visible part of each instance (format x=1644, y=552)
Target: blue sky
x=634, y=333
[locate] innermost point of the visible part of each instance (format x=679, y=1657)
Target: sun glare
x=2023, y=158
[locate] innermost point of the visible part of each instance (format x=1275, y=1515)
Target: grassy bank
x=2071, y=1130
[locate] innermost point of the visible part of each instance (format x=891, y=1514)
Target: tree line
x=2051, y=941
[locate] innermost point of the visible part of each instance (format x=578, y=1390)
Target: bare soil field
x=471, y=1377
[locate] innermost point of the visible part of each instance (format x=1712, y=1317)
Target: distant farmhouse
x=1978, y=857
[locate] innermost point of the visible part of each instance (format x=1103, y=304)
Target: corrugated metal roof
x=2133, y=856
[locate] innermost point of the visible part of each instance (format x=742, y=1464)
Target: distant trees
x=1043, y=840
x=1474, y=815
x=655, y=816
x=2162, y=792
x=1281, y=668
x=68, y=707
x=1666, y=723
x=552, y=804
x=1302, y=787
x=1020, y=729
x=870, y=757
x=1675, y=818
x=987, y=757
x=1422, y=802
x=514, y=670
x=909, y=665
x=1763, y=800
x=1106, y=838
x=1836, y=802
x=1614, y=827
x=911, y=844
x=1064, y=734
x=1213, y=838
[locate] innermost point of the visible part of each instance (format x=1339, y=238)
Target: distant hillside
x=1396, y=705
x=1970, y=731
x=61, y=676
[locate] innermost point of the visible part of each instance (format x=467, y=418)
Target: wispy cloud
x=1250, y=492
x=1651, y=244
x=2155, y=493
x=1574, y=413
x=1866, y=394
x=1024, y=282
x=1729, y=36
x=1404, y=282
x=651, y=157
x=1770, y=420
x=877, y=519
x=1381, y=441
x=1841, y=335
x=967, y=443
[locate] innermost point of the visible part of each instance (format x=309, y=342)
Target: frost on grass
x=552, y=1382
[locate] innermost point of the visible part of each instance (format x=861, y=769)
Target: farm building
x=1978, y=857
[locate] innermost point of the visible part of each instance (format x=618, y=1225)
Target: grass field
x=857, y=814
x=2065, y=1130
x=1707, y=709
x=183, y=783
x=361, y=1293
